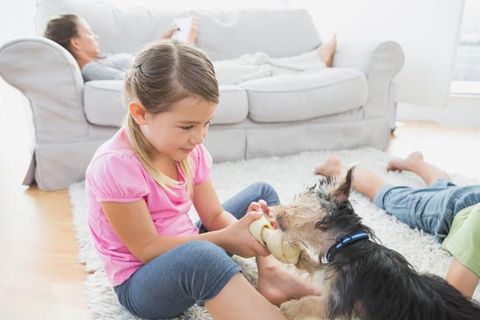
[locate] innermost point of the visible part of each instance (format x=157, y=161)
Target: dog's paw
x=290, y=309
x=305, y=308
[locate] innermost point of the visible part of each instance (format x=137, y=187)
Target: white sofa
x=341, y=107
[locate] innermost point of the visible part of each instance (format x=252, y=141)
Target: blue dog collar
x=343, y=242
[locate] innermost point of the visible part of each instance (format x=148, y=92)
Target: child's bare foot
x=330, y=168
x=278, y=285
x=327, y=51
x=407, y=163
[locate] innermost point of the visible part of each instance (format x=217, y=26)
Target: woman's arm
x=133, y=224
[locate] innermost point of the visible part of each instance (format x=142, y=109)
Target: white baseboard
x=461, y=111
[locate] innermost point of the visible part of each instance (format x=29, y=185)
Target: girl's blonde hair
x=161, y=75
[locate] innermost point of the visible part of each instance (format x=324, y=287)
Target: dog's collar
x=343, y=242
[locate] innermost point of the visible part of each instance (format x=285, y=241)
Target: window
x=466, y=74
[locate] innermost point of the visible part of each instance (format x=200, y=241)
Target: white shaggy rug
x=288, y=175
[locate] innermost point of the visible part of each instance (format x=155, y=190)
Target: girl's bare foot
x=327, y=50
x=278, y=285
x=330, y=168
x=407, y=163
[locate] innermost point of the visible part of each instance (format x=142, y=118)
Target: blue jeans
x=431, y=209
x=193, y=272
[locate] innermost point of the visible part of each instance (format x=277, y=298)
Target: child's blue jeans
x=190, y=273
x=431, y=209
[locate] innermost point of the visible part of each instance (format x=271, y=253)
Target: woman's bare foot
x=408, y=163
x=192, y=34
x=278, y=285
x=330, y=168
x=327, y=51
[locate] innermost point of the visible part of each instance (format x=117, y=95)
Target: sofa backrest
x=226, y=34
x=222, y=34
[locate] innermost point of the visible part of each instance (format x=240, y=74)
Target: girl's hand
x=238, y=240
x=262, y=206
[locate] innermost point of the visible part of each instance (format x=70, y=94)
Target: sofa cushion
x=233, y=105
x=306, y=95
x=104, y=103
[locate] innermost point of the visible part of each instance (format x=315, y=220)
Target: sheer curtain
x=467, y=64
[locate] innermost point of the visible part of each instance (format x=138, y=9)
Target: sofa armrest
x=50, y=78
x=380, y=62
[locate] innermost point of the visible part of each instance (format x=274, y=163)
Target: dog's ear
x=278, y=209
x=341, y=192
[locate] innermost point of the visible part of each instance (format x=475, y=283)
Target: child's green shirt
x=463, y=239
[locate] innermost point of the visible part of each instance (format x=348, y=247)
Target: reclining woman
x=75, y=35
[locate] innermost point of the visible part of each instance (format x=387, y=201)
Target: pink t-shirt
x=116, y=175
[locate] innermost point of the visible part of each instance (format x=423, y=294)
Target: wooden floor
x=40, y=277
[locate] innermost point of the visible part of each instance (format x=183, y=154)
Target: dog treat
x=256, y=228
x=283, y=251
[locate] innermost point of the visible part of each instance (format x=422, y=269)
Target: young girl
x=141, y=184
x=450, y=212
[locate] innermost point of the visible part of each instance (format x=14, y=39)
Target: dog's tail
x=456, y=306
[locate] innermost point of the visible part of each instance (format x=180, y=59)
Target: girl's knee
x=200, y=247
x=209, y=266
x=267, y=193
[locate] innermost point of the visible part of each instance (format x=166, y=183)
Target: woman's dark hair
x=61, y=29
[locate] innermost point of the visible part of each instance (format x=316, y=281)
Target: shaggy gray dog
x=361, y=277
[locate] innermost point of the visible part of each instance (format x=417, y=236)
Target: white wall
x=16, y=19
x=202, y=4
x=427, y=30
x=461, y=111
